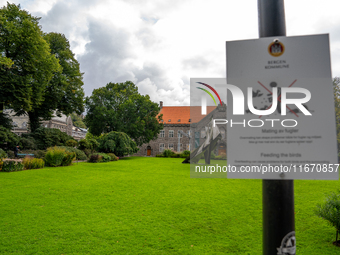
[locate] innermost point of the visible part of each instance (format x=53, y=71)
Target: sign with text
x=280, y=109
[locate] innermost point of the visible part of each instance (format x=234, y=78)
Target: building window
x=162, y=133
x=179, y=120
x=189, y=120
x=180, y=147
x=161, y=147
x=171, y=146
x=179, y=134
x=188, y=147
x=171, y=133
x=169, y=120
x=24, y=124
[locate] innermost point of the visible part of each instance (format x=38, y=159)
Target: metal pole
x=277, y=195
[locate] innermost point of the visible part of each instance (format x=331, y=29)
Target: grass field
x=146, y=206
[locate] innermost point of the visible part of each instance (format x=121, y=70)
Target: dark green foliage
x=68, y=158
x=3, y=154
x=80, y=155
x=5, y=119
x=336, y=86
x=57, y=156
x=118, y=143
x=10, y=154
x=71, y=143
x=8, y=140
x=27, y=143
x=33, y=163
x=186, y=153
x=99, y=157
x=26, y=64
x=95, y=158
x=77, y=120
x=88, y=143
x=330, y=211
x=49, y=137
x=119, y=107
x=167, y=153
x=105, y=157
x=64, y=93
x=12, y=166
x=112, y=156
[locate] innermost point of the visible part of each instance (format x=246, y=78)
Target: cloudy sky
x=161, y=44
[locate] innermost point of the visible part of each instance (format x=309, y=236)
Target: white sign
x=298, y=140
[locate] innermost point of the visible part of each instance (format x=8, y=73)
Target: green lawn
x=146, y=206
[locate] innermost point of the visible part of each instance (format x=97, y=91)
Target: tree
x=336, y=84
x=118, y=143
x=49, y=137
x=77, y=120
x=330, y=211
x=8, y=139
x=26, y=64
x=64, y=93
x=119, y=107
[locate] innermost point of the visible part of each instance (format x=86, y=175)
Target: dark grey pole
x=277, y=195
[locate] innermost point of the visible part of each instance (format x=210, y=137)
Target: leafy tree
x=77, y=120
x=330, y=211
x=119, y=107
x=8, y=139
x=49, y=137
x=26, y=64
x=118, y=143
x=64, y=93
x=336, y=83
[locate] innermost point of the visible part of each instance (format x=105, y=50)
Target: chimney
x=161, y=104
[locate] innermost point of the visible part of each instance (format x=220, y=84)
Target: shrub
x=105, y=157
x=221, y=157
x=113, y=156
x=27, y=143
x=88, y=143
x=57, y=156
x=10, y=154
x=71, y=143
x=68, y=158
x=330, y=211
x=12, y=166
x=118, y=143
x=3, y=154
x=186, y=153
x=175, y=155
x=168, y=153
x=33, y=163
x=95, y=158
x=87, y=152
x=8, y=139
x=80, y=155
x=48, y=137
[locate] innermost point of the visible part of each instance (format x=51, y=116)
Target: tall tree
x=119, y=107
x=64, y=93
x=336, y=84
x=26, y=64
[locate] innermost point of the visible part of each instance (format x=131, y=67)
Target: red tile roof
x=182, y=113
